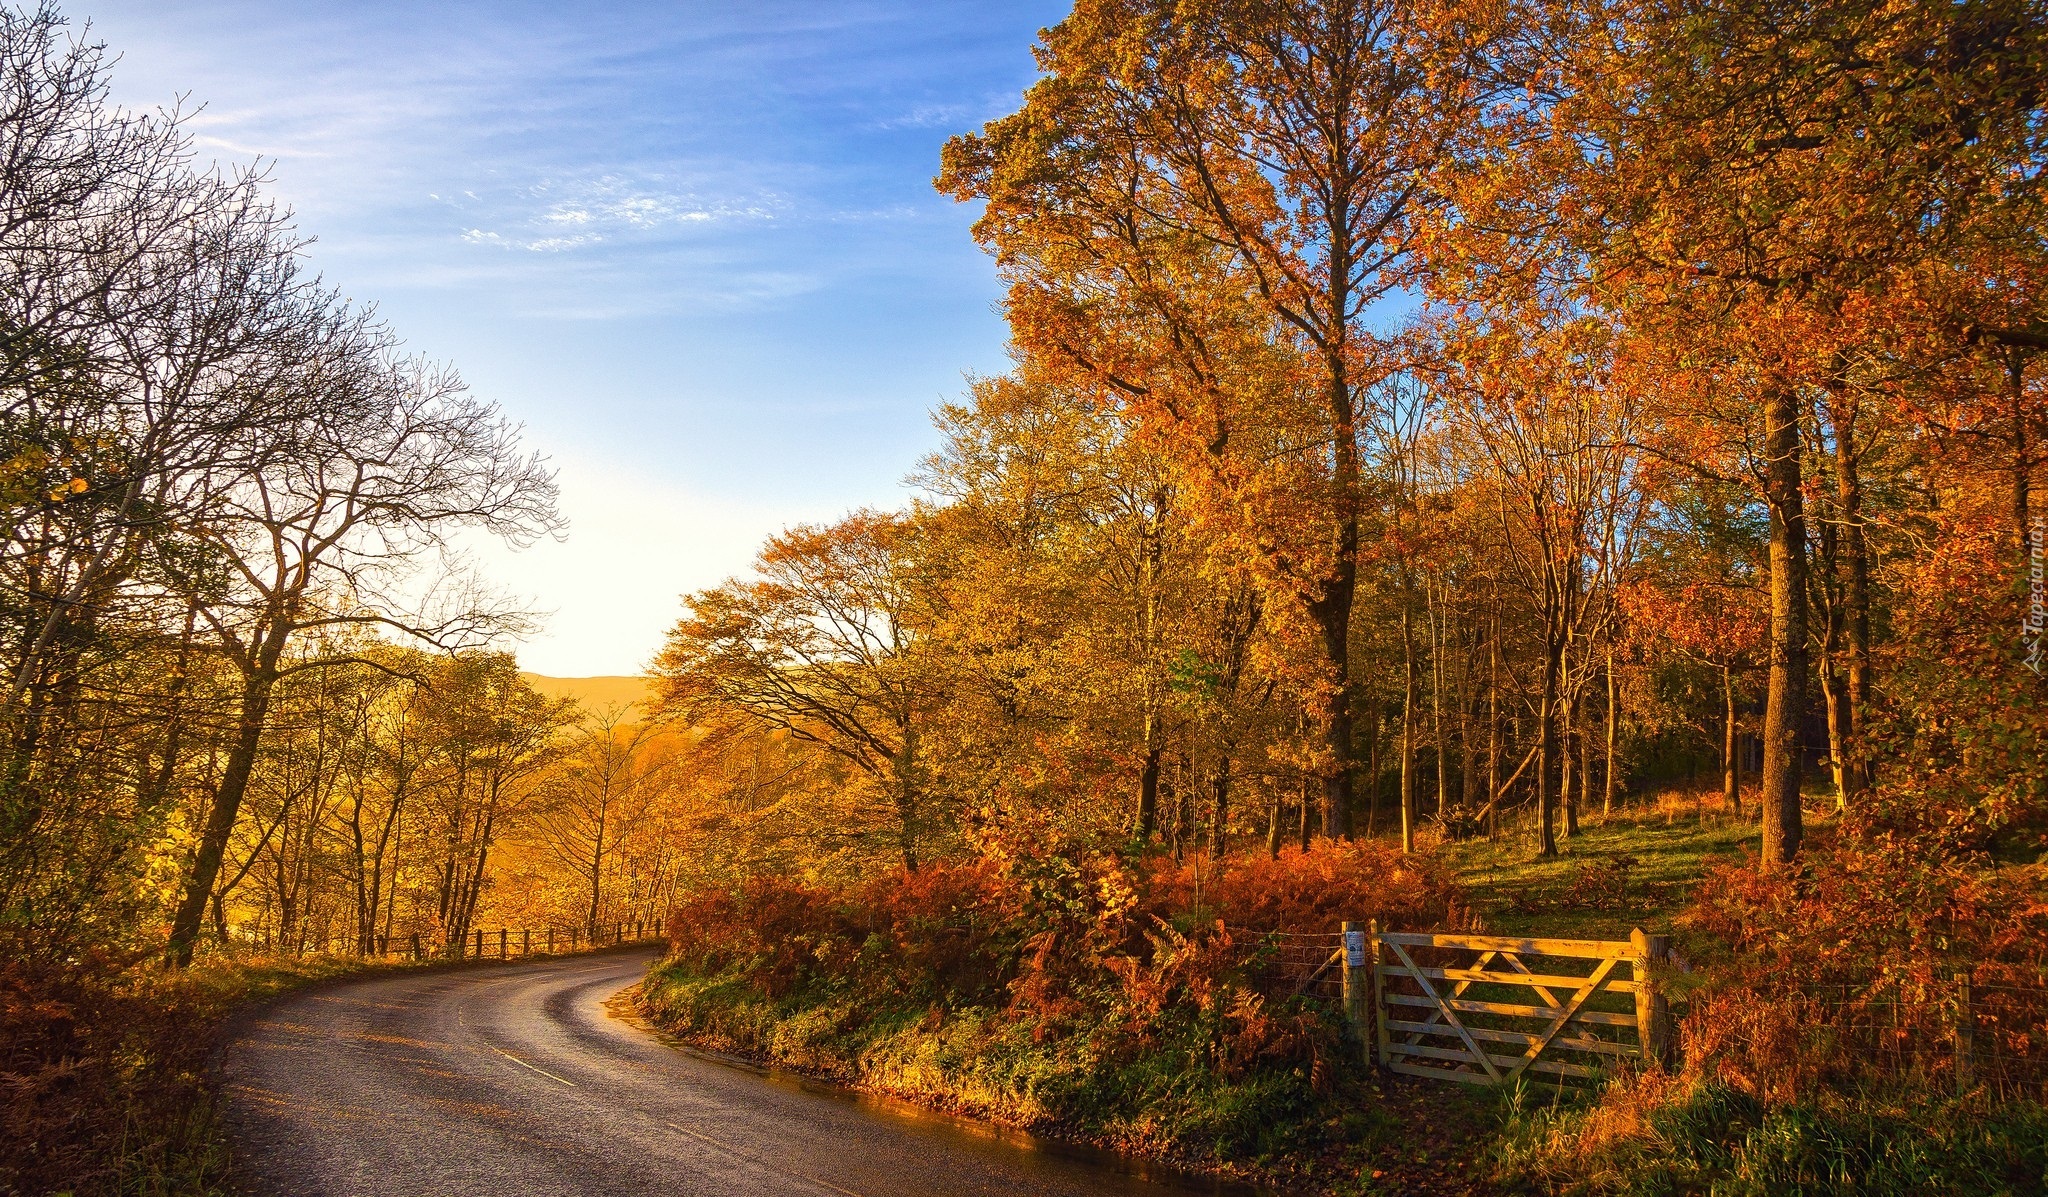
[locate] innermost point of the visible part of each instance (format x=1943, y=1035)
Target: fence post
x=1354, y=986
x=1653, y=1011
x=479, y=943
x=526, y=941
x=1966, y=1035
x=1379, y=998
x=417, y=954
x=504, y=942
x=551, y=941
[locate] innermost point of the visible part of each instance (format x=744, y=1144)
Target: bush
x=1112, y=997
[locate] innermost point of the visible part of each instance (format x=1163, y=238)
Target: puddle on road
x=1129, y=1174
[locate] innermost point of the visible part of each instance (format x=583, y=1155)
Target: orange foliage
x=1317, y=890
x=1857, y=952
x=1062, y=943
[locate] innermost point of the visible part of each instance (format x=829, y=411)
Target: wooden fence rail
x=505, y=943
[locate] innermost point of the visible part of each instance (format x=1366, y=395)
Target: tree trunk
x=1148, y=782
x=1607, y=774
x=907, y=814
x=1855, y=709
x=1219, y=811
x=1731, y=745
x=1586, y=755
x=1493, y=713
x=1332, y=609
x=1436, y=702
x=1785, y=705
x=1372, y=775
x=1149, y=560
x=1546, y=750
x=1834, y=702
x=258, y=682
x=1567, y=759
x=1307, y=808
x=1333, y=617
x=1408, y=696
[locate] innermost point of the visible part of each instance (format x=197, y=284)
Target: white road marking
x=761, y=1164
x=523, y=1064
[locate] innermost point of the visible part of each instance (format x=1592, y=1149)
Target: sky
x=693, y=247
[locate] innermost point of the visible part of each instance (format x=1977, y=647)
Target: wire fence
x=1294, y=964
x=1942, y=1031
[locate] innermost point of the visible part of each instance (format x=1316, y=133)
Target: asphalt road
x=516, y=1080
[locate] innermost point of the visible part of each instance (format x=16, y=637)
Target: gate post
x=1354, y=986
x=1379, y=996
x=1653, y=1011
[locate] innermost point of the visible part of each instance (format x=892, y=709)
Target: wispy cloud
x=928, y=116
x=693, y=242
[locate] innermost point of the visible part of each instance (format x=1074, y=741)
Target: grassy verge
x=106, y=1082
x=1330, y=1126
x=1668, y=1137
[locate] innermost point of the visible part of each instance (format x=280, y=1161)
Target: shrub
x=1087, y=989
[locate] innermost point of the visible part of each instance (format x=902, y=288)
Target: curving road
x=515, y=1080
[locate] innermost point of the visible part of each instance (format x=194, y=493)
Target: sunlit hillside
x=595, y=693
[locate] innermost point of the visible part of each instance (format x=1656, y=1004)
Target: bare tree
x=332, y=528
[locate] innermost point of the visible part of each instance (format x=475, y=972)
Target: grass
x=108, y=1086
x=1697, y=1136
x=1635, y=868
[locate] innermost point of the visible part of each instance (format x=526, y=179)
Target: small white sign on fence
x=1354, y=949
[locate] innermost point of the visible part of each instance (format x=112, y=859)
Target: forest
x=1445, y=441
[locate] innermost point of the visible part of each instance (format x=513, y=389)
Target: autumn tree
x=1767, y=212
x=1189, y=195
x=823, y=646
x=604, y=784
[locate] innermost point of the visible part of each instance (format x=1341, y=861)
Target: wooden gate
x=1458, y=1007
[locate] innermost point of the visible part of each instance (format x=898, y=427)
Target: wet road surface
x=516, y=1080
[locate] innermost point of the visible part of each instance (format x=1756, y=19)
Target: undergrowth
x=104, y=1083
x=1089, y=997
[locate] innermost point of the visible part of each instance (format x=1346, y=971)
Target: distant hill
x=595, y=693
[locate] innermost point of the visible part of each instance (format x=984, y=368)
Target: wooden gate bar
x=1449, y=1012
x=1591, y=949
x=1444, y=1046
x=1474, y=1006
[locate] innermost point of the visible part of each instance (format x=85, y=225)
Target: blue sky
x=693, y=247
